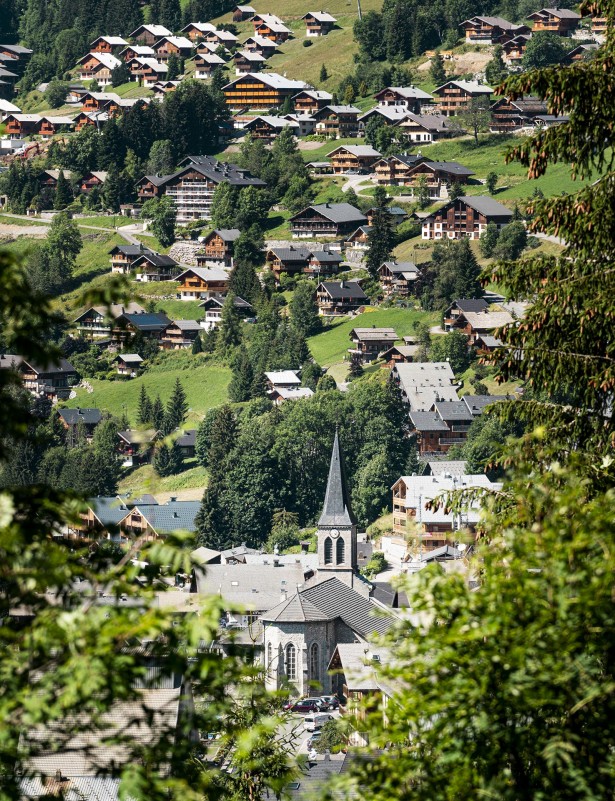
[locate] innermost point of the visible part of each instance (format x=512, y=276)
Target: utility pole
x=359, y=10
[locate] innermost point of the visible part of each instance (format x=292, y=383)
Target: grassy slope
x=331, y=345
x=145, y=479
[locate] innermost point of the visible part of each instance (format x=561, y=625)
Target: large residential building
x=326, y=219
x=98, y=66
x=200, y=283
x=336, y=122
x=406, y=97
x=513, y=115
x=149, y=34
x=97, y=322
x=465, y=217
x=456, y=96
x=193, y=185
x=491, y=30
x=335, y=298
x=423, y=383
x=353, y=158
x=309, y=101
x=261, y=90
x=436, y=176
x=562, y=21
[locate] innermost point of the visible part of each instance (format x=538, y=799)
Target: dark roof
x=336, y=212
x=336, y=510
x=296, y=609
x=71, y=417
x=344, y=289
x=470, y=304
x=453, y=410
x=327, y=256
x=238, y=302
x=226, y=234
x=62, y=366
x=133, y=251
x=187, y=439
x=216, y=171
x=291, y=253
x=171, y=516
x=147, y=321
x=477, y=403
x=337, y=599
x=156, y=260
x=486, y=205
x=427, y=421
x=451, y=167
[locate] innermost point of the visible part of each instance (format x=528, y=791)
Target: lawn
x=331, y=345
x=205, y=384
x=181, y=309
x=145, y=479
x=23, y=221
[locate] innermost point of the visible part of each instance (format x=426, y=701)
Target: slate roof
x=356, y=150
x=291, y=253
x=337, y=599
x=273, y=122
x=92, y=788
x=157, y=260
x=147, y=321
x=409, y=92
x=455, y=411
x=401, y=267
x=452, y=467
x=347, y=290
x=283, y=377
x=486, y=205
x=338, y=212
x=469, y=305
x=488, y=320
x=451, y=167
x=171, y=516
x=215, y=171
x=478, y=403
x=187, y=438
x=130, y=358
x=254, y=586
x=392, y=113
x=336, y=510
x=472, y=87
x=325, y=256
x=186, y=325
x=433, y=122
x=291, y=394
x=560, y=13
x=271, y=79
x=378, y=334
x=109, y=511
x=320, y=16
x=204, y=555
x=502, y=23
x=74, y=416
x=206, y=273
x=427, y=421
x=296, y=609
x=249, y=55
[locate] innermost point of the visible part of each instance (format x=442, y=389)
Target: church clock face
x=334, y=533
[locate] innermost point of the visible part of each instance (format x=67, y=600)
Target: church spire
x=336, y=511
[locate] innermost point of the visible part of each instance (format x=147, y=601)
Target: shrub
x=307, y=43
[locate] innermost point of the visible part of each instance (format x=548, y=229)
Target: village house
x=430, y=529
x=562, y=21
x=124, y=519
x=508, y=116
x=178, y=46
x=128, y=364
x=199, y=283
x=135, y=447
x=197, y=30
x=335, y=298
x=406, y=97
x=259, y=44
x=428, y=128
x=323, y=263
x=306, y=125
x=353, y=158
x=180, y=334
x=282, y=379
x=398, y=278
x=147, y=71
x=465, y=217
x=292, y=259
x=122, y=257
x=514, y=49
x=430, y=433
x=270, y=27
x=186, y=442
x=50, y=126
x=491, y=30
x=267, y=128
x=19, y=54
x=580, y=53
x=458, y=418
x=358, y=240
x=218, y=248
x=247, y=61
x=390, y=115
x=154, y=267
x=396, y=213
x=456, y=96
x=48, y=179
x=7, y=108
x=260, y=90
x=192, y=187
x=336, y=122
x=108, y=44
x=437, y=177
x=369, y=343
x=310, y=101
x=206, y=48
x=100, y=101
x=394, y=170
x=52, y=381
x=206, y=63
x=18, y=126
x=137, y=51
x=77, y=419
x=97, y=322
x=358, y=684
x=326, y=219
x=318, y=23
x=98, y=66
x=221, y=38
x=458, y=307
x=598, y=26
x=279, y=396
x=399, y=354
x=423, y=383
x=149, y=324
x=92, y=180
x=241, y=13
x=213, y=311
x=149, y=34
x=476, y=324
x=162, y=87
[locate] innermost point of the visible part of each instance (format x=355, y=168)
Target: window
x=314, y=662
x=291, y=662
x=340, y=551
x=269, y=657
x=328, y=551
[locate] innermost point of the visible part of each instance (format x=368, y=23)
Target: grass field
x=180, y=309
x=205, y=385
x=331, y=345
x=145, y=479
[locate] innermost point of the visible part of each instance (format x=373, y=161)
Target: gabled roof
x=347, y=290
x=478, y=403
x=394, y=114
x=336, y=212
x=327, y=256
x=179, y=41
x=226, y=234
x=337, y=599
x=450, y=167
x=246, y=9
x=356, y=150
x=274, y=23
x=314, y=94
x=271, y=79
x=112, y=312
x=499, y=22
x=155, y=30
x=336, y=510
x=408, y=92
x=171, y=516
x=114, y=41
x=469, y=305
x=559, y=13
x=185, y=325
x=205, y=273
x=374, y=334
x=146, y=321
x=273, y=122
x=129, y=358
x=140, y=50
x=296, y=609
x=106, y=59
x=472, y=87
x=487, y=320
x=453, y=410
x=186, y=438
x=320, y=16
x=249, y=55
x=74, y=416
x=132, y=251
x=427, y=421
x=338, y=110
x=447, y=466
x=283, y=377
x=156, y=260
x=484, y=205
x=261, y=41
x=200, y=26
x=291, y=254
x=401, y=267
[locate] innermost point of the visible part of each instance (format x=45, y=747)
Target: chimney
x=283, y=595
x=326, y=756
x=175, y=515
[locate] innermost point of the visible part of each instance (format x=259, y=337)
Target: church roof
x=336, y=599
x=296, y=609
x=336, y=510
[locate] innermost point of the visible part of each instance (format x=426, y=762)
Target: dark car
x=305, y=705
x=330, y=701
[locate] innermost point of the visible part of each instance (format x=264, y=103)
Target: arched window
x=340, y=551
x=314, y=662
x=328, y=551
x=291, y=662
x=269, y=657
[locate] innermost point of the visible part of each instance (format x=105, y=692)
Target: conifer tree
x=229, y=330
x=243, y=282
x=177, y=408
x=197, y=345
x=157, y=416
x=240, y=388
x=63, y=194
x=144, y=408
x=324, y=75
x=436, y=70
x=381, y=236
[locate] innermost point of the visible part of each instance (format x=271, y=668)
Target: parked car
x=304, y=705
x=330, y=701
x=313, y=722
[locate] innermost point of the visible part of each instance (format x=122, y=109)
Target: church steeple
x=337, y=530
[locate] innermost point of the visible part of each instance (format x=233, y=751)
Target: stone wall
x=185, y=252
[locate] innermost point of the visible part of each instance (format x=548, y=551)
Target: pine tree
x=111, y=192
x=177, y=408
x=303, y=309
x=229, y=330
x=488, y=240
x=240, y=388
x=63, y=194
x=144, y=408
x=356, y=368
x=224, y=205
x=157, y=416
x=324, y=75
x=197, y=345
x=243, y=282
x=173, y=67
x=170, y=14
x=167, y=460
x=381, y=236
x=436, y=70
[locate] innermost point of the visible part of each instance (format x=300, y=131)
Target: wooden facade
x=465, y=217
x=218, y=247
x=514, y=49
x=318, y=23
x=309, y=102
x=149, y=34
x=336, y=298
x=241, y=13
x=353, y=158
x=561, y=21
x=336, y=122
x=98, y=66
x=180, y=334
x=456, y=96
x=512, y=115
x=18, y=126
x=290, y=260
x=398, y=278
x=260, y=91
x=326, y=219
x=491, y=30
x=198, y=283
x=173, y=46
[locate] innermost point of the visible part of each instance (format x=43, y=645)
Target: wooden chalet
x=389, y=115
x=437, y=177
x=241, y=13
x=326, y=219
x=154, y=267
x=218, y=248
x=456, y=96
x=147, y=71
x=137, y=51
x=336, y=122
x=196, y=31
x=123, y=256
x=398, y=278
x=491, y=30
x=580, y=53
x=353, y=158
x=180, y=334
x=18, y=126
x=19, y=55
x=395, y=170
x=221, y=38
x=291, y=259
x=396, y=213
x=100, y=101
x=94, y=118
x=136, y=447
x=458, y=307
x=205, y=64
x=358, y=240
x=178, y=46
x=163, y=87
x=306, y=125
x=149, y=34
x=270, y=27
x=213, y=311
x=561, y=21
x=369, y=343
x=87, y=419
x=128, y=364
x=49, y=178
x=149, y=325
x=309, y=101
x=247, y=61
x=268, y=128
x=407, y=97
x=50, y=126
x=427, y=128
x=399, y=354
x=318, y=23
x=335, y=298
x=52, y=381
x=430, y=432
x=92, y=180
x=108, y=44
x=465, y=217
x=259, y=44
x=514, y=49
x=323, y=263
x=479, y=324
x=98, y=66
x=186, y=442
x=513, y=115
x=599, y=25
x=97, y=322
x=199, y=283
x=262, y=90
